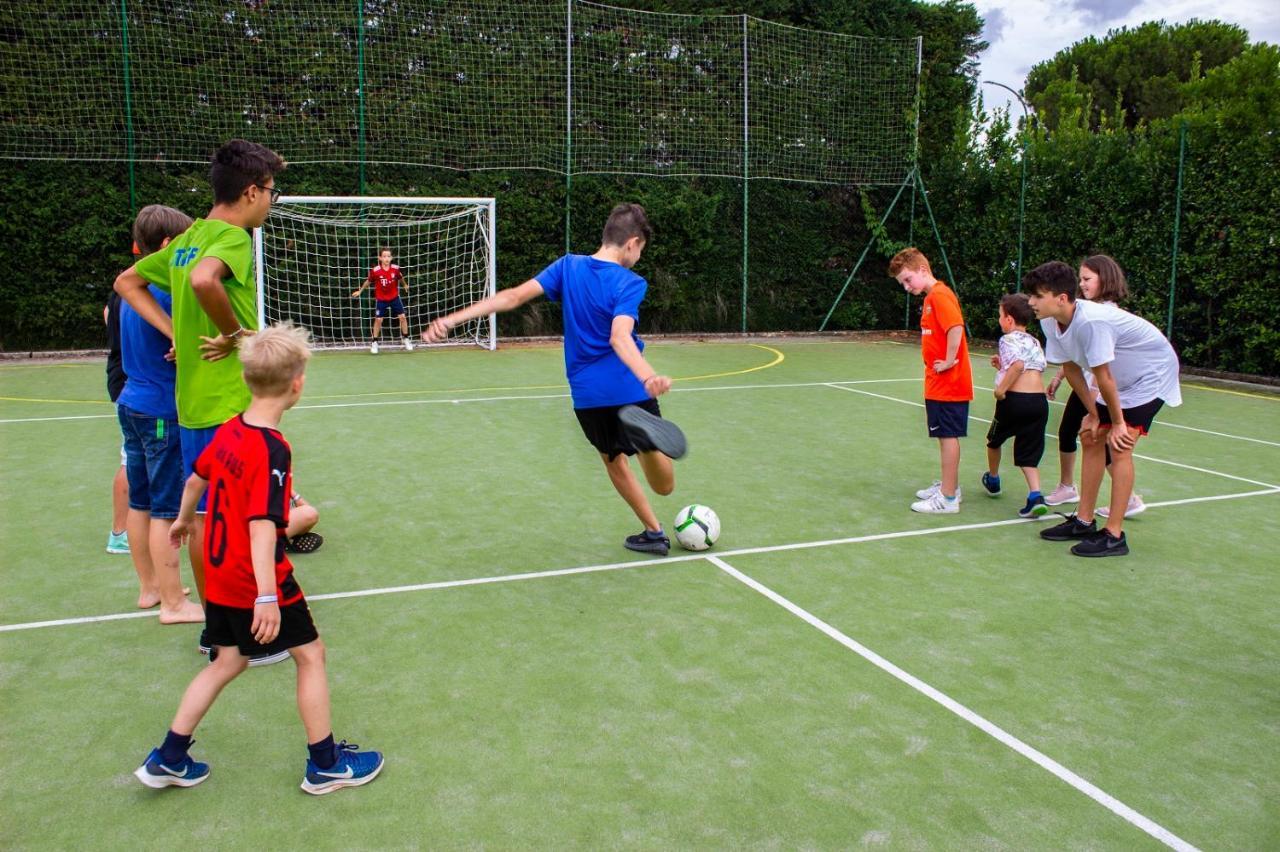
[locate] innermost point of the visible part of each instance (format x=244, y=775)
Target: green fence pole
x=746, y=147
x=568, y=119
x=951, y=276
x=360, y=82
x=1177, y=223
x=862, y=257
x=911, y=240
x=128, y=106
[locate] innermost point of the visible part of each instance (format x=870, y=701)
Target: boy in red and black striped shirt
x=253, y=605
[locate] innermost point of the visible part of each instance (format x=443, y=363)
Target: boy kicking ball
x=1136, y=371
x=253, y=605
x=615, y=390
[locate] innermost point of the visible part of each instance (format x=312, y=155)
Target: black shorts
x=1069, y=428
x=229, y=625
x=604, y=430
x=1139, y=417
x=1023, y=417
x=947, y=419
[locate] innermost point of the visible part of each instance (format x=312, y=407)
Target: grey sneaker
x=647, y=542
x=650, y=432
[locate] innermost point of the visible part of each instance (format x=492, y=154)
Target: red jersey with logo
x=250, y=478
x=940, y=314
x=386, y=282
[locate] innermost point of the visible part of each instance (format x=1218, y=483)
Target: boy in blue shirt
x=148, y=413
x=614, y=389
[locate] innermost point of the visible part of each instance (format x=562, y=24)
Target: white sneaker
x=936, y=488
x=1135, y=507
x=408, y=345
x=1062, y=494
x=937, y=505
x=373, y=348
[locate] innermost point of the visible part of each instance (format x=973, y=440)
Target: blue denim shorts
x=193, y=443
x=153, y=462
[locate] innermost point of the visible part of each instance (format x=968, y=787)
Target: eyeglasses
x=275, y=193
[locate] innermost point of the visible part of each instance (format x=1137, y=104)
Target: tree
x=1136, y=74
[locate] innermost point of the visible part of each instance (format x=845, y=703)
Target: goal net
x=313, y=252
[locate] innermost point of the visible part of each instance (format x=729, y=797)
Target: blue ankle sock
x=650, y=534
x=323, y=754
x=174, y=748
x=1033, y=495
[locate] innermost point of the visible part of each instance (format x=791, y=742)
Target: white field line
x=460, y=400
x=1054, y=436
x=635, y=563
x=1037, y=757
x=1164, y=423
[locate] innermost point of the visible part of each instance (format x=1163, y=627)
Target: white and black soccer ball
x=697, y=527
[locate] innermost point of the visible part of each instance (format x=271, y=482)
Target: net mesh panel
x=462, y=84
x=316, y=254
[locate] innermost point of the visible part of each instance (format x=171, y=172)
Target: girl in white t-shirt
x=1103, y=281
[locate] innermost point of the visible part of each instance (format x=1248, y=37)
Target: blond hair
x=155, y=224
x=910, y=258
x=274, y=357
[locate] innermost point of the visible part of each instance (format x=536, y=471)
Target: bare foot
x=150, y=600
x=188, y=613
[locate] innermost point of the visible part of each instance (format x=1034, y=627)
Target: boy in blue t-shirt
x=148, y=415
x=614, y=389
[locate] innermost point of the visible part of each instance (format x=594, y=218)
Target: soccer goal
x=313, y=252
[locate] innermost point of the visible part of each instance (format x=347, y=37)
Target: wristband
x=235, y=335
x=264, y=599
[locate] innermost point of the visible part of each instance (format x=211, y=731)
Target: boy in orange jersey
x=948, y=379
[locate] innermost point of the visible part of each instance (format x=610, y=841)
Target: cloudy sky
x=1024, y=32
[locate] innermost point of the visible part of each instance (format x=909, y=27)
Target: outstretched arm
x=505, y=300
x=624, y=345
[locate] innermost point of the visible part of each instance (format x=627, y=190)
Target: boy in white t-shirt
x=1136, y=371
x=1022, y=409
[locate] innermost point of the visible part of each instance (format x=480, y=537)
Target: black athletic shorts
x=1139, y=417
x=947, y=419
x=229, y=625
x=604, y=430
x=1023, y=417
x=1069, y=429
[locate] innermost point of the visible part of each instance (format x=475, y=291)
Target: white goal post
x=314, y=251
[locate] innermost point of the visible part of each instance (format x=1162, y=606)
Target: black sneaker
x=1102, y=544
x=1069, y=530
x=645, y=542
x=648, y=431
x=307, y=542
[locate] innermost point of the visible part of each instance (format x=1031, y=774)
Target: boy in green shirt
x=208, y=270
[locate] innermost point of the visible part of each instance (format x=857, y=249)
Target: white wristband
x=264, y=599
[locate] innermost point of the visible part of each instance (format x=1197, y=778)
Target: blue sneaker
x=992, y=484
x=352, y=769
x=1036, y=508
x=157, y=774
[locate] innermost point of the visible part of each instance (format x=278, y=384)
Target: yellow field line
x=1269, y=397
x=777, y=359
x=36, y=399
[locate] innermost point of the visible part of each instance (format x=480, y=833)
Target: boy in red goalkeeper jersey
x=387, y=281
x=253, y=604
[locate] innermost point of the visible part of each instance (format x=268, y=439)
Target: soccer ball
x=697, y=527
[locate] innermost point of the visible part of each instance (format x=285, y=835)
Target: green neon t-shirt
x=209, y=392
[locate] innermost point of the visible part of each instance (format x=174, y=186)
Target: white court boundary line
x=1054, y=436
x=1176, y=425
x=634, y=563
x=1037, y=757
x=461, y=400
